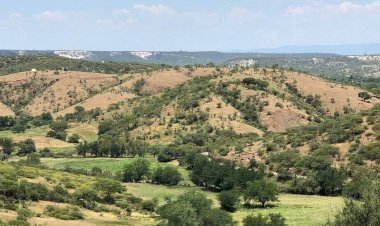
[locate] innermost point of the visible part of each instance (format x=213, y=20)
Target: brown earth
x=70, y=88
x=5, y=110
x=224, y=116
x=342, y=95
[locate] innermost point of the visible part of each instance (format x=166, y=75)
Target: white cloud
x=50, y=15
x=342, y=8
x=296, y=11
x=348, y=7
x=158, y=9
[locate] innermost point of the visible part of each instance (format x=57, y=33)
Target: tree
x=262, y=191
x=193, y=209
x=58, y=129
x=82, y=149
x=365, y=212
x=18, y=128
x=74, y=138
x=26, y=147
x=106, y=126
x=229, y=200
x=108, y=187
x=112, y=144
x=6, y=146
x=167, y=176
x=216, y=217
x=85, y=197
x=136, y=170
x=273, y=219
x=179, y=213
x=364, y=95
x=59, y=125
x=330, y=181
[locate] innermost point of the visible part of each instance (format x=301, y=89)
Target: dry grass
x=342, y=94
x=5, y=110
x=70, y=88
x=224, y=116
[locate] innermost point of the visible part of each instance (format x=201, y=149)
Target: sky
x=193, y=25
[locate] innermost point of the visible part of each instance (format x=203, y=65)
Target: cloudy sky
x=185, y=24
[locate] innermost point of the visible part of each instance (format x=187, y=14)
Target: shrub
x=273, y=219
x=74, y=138
x=26, y=147
x=229, y=200
x=149, y=205
x=65, y=213
x=136, y=170
x=167, y=176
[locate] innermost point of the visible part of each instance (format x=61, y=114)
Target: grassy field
x=39, y=131
x=299, y=210
x=106, y=164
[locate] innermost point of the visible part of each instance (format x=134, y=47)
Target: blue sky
x=221, y=25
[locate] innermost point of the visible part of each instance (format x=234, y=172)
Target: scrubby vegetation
x=203, y=152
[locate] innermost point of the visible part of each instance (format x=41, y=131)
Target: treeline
x=9, y=65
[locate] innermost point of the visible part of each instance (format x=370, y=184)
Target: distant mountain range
x=351, y=49
x=156, y=57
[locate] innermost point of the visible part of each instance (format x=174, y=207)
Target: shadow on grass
x=258, y=206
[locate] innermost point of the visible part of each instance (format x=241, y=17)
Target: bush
x=229, y=200
x=136, y=170
x=26, y=147
x=74, y=138
x=149, y=205
x=361, y=213
x=167, y=176
x=65, y=213
x=273, y=219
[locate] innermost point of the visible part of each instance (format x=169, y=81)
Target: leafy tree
x=193, y=209
x=229, y=200
x=59, y=125
x=167, y=176
x=365, y=212
x=364, y=95
x=106, y=126
x=136, y=170
x=273, y=219
x=58, y=129
x=112, y=144
x=6, y=146
x=85, y=197
x=26, y=147
x=216, y=217
x=262, y=191
x=108, y=187
x=18, y=128
x=330, y=181
x=82, y=149
x=74, y=138
x=179, y=213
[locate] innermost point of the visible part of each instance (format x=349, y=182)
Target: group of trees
x=139, y=170
x=218, y=174
x=193, y=209
x=112, y=145
x=58, y=129
x=255, y=83
x=8, y=146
